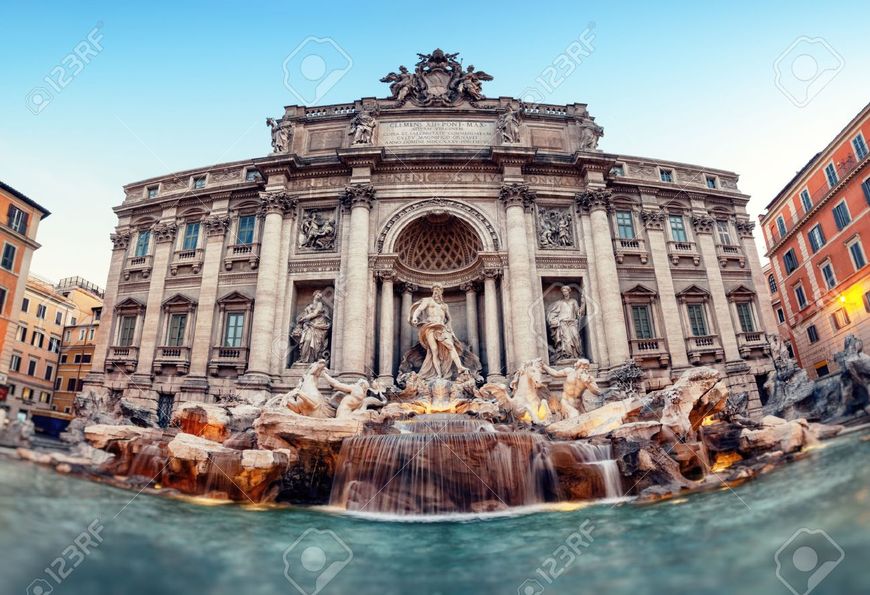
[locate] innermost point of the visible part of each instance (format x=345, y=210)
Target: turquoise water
x=719, y=542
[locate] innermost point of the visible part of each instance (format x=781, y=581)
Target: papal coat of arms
x=438, y=79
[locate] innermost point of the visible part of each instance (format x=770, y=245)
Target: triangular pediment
x=129, y=303
x=693, y=291
x=235, y=297
x=640, y=291
x=179, y=299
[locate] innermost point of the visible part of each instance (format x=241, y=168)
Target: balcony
x=228, y=358
x=650, y=349
x=728, y=254
x=138, y=264
x=704, y=345
x=679, y=250
x=630, y=246
x=249, y=253
x=187, y=258
x=124, y=358
x=172, y=356
x=748, y=342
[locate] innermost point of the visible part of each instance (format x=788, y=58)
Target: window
x=801, y=296
x=860, y=147
x=177, y=326
x=97, y=313
x=67, y=336
x=86, y=358
x=91, y=334
x=142, y=242
x=151, y=192
x=643, y=328
x=711, y=182
x=831, y=174
x=2, y=298
x=857, y=254
x=37, y=339
x=780, y=225
x=666, y=175
x=233, y=331
x=17, y=219
x=790, y=261
x=44, y=397
x=11, y=389
x=839, y=318
x=58, y=382
x=73, y=321
x=82, y=334
x=625, y=225
x=191, y=236
x=678, y=228
x=22, y=333
x=724, y=233
x=617, y=171
x=41, y=309
x=245, y=234
x=865, y=186
x=77, y=358
x=697, y=320
x=25, y=304
x=127, y=328
x=744, y=314
x=63, y=358
x=58, y=318
x=806, y=201
x=31, y=368
x=49, y=372
x=816, y=237
x=780, y=315
x=15, y=363
x=772, y=283
x=252, y=175
x=71, y=385
x=828, y=273
x=822, y=368
x=27, y=393
x=199, y=182
x=8, y=259
x=841, y=215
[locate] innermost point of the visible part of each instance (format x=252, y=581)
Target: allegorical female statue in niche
x=563, y=318
x=312, y=330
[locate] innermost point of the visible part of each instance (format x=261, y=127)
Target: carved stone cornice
x=653, y=218
x=470, y=286
x=216, y=225
x=164, y=232
x=491, y=273
x=516, y=194
x=744, y=228
x=276, y=202
x=358, y=195
x=594, y=199
x=703, y=223
x=120, y=240
x=386, y=275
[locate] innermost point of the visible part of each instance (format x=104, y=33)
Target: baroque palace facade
x=230, y=279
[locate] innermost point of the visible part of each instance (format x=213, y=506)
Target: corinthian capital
x=744, y=228
x=653, y=218
x=164, y=232
x=276, y=202
x=120, y=240
x=702, y=223
x=516, y=194
x=216, y=225
x=358, y=195
x=594, y=198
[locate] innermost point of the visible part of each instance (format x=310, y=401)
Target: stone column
x=673, y=330
x=272, y=207
x=164, y=238
x=387, y=328
x=492, y=333
x=597, y=339
x=408, y=333
x=215, y=231
x=517, y=198
x=597, y=202
x=471, y=317
x=120, y=243
x=762, y=289
x=703, y=225
x=358, y=198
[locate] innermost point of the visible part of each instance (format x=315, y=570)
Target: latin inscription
x=436, y=132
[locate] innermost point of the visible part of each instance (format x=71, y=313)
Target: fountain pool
x=717, y=542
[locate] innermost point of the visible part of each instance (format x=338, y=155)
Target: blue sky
x=185, y=84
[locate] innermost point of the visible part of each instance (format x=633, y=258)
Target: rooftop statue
x=438, y=79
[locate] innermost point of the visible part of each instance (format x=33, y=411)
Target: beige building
x=78, y=342
x=372, y=203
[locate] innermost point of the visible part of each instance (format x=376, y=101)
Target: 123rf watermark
x=69, y=559
x=559, y=560
x=315, y=559
x=806, y=559
x=62, y=74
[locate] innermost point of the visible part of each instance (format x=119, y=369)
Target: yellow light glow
x=725, y=460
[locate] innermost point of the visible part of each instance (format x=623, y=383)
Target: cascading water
x=442, y=464
x=600, y=457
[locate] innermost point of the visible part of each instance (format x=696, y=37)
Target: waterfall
x=442, y=464
x=600, y=457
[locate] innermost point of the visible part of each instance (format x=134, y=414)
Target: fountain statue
x=431, y=316
x=578, y=380
x=306, y=399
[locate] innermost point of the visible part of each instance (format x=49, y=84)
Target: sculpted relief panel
x=555, y=228
x=317, y=230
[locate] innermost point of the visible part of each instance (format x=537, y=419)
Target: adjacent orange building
x=817, y=231
x=20, y=217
